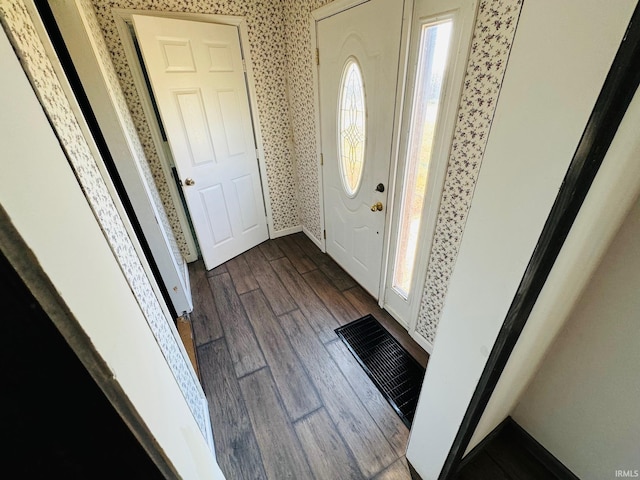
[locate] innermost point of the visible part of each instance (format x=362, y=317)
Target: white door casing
x=197, y=76
x=462, y=13
x=370, y=35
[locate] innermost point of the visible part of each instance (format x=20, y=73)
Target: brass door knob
x=189, y=181
x=377, y=207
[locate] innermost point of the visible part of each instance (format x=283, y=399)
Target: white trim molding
x=286, y=231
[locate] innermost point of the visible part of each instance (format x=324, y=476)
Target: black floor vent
x=395, y=373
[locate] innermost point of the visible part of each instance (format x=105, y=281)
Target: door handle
x=189, y=182
x=377, y=207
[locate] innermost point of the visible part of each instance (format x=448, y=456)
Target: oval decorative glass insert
x=351, y=127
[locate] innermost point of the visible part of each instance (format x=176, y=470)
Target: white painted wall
x=44, y=201
x=583, y=403
x=560, y=57
x=609, y=199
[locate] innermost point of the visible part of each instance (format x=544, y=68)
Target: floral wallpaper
x=38, y=67
x=265, y=22
x=492, y=40
x=300, y=67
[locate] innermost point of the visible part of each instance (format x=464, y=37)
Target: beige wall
x=583, y=403
x=610, y=198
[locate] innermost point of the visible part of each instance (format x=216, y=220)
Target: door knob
x=189, y=181
x=376, y=207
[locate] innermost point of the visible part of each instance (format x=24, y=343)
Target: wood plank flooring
x=286, y=398
x=510, y=453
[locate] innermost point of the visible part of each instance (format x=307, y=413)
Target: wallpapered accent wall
x=38, y=67
x=265, y=22
x=492, y=39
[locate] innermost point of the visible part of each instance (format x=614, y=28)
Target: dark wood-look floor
x=509, y=453
x=286, y=398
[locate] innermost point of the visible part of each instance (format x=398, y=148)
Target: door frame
x=316, y=16
x=87, y=69
x=123, y=19
x=465, y=13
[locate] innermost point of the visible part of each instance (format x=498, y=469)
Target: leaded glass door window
x=351, y=127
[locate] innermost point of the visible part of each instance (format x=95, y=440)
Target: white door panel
x=368, y=34
x=197, y=76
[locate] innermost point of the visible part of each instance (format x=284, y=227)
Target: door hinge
x=324, y=232
x=321, y=159
x=317, y=56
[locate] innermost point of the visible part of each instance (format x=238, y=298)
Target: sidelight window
x=432, y=63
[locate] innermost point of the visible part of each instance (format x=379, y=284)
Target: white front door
x=359, y=51
x=197, y=75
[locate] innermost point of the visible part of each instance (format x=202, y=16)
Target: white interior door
x=359, y=51
x=197, y=75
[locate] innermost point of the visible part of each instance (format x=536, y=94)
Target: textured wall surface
x=32, y=54
x=265, y=21
x=492, y=40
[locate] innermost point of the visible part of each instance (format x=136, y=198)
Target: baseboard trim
x=286, y=231
x=468, y=458
x=313, y=238
x=530, y=444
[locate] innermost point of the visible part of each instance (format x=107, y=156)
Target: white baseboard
x=315, y=240
x=287, y=231
x=426, y=345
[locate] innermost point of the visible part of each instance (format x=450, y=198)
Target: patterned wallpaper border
x=32, y=54
x=493, y=36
